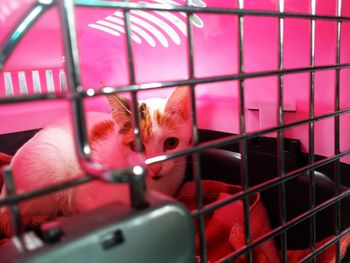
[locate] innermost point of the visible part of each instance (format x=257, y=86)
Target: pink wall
x=103, y=59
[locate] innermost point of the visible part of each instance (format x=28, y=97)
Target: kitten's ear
x=178, y=103
x=121, y=108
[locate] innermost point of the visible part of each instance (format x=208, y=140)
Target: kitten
x=49, y=157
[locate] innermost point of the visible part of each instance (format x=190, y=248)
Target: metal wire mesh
x=76, y=95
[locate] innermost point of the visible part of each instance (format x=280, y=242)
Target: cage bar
x=280, y=134
x=312, y=198
x=150, y=86
x=75, y=94
x=137, y=189
x=14, y=209
x=242, y=129
x=208, y=10
x=337, y=211
x=195, y=157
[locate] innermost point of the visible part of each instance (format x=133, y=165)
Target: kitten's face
x=165, y=127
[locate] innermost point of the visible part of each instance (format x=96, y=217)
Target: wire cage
x=269, y=106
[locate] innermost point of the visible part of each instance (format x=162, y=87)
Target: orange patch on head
x=127, y=134
x=146, y=123
x=101, y=130
x=164, y=121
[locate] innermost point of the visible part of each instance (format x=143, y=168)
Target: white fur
x=49, y=158
x=172, y=170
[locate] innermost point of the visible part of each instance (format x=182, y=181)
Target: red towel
x=224, y=228
x=327, y=256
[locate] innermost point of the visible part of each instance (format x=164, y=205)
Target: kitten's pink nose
x=155, y=168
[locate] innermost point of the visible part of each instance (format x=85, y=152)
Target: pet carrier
x=267, y=168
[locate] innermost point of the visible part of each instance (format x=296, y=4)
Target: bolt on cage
x=76, y=94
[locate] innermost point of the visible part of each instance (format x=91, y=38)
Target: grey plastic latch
x=162, y=232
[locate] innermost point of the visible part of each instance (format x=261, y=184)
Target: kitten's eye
x=132, y=146
x=171, y=143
